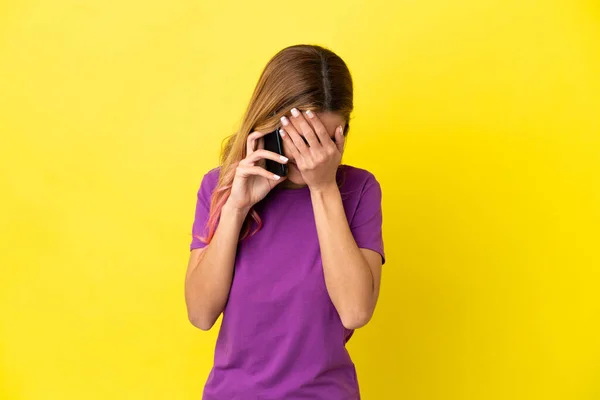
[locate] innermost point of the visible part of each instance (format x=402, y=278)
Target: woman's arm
x=352, y=274
x=210, y=270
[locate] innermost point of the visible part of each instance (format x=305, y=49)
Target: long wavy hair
x=308, y=77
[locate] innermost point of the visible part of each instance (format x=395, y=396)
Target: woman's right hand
x=252, y=182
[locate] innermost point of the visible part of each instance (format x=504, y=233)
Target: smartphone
x=274, y=143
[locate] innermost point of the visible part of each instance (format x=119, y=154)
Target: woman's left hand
x=319, y=159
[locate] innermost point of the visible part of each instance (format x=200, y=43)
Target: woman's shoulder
x=354, y=177
x=211, y=177
x=351, y=178
x=213, y=173
x=208, y=183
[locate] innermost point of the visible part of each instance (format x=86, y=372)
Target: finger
x=251, y=141
x=296, y=138
x=339, y=138
x=291, y=145
x=303, y=126
x=318, y=126
x=249, y=170
x=261, y=154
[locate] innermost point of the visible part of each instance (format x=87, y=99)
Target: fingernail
x=281, y=132
x=284, y=120
x=341, y=130
x=310, y=113
x=276, y=176
x=284, y=159
x=295, y=112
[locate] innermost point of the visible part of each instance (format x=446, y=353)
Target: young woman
x=293, y=263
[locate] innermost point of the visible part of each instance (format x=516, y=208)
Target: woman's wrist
x=230, y=209
x=323, y=188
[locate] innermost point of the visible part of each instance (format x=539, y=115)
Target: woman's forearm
x=208, y=281
x=348, y=277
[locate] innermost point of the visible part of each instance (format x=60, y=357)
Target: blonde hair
x=308, y=77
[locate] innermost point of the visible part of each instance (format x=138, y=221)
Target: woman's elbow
x=356, y=320
x=202, y=322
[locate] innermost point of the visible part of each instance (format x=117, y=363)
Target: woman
x=292, y=262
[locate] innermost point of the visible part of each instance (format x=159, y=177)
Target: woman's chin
x=294, y=176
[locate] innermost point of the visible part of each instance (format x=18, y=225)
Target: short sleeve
x=202, y=212
x=366, y=224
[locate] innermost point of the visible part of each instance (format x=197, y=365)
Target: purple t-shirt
x=281, y=336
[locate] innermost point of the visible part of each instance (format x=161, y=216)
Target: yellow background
x=480, y=119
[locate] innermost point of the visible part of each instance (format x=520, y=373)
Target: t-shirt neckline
x=292, y=191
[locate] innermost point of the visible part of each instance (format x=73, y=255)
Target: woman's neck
x=290, y=185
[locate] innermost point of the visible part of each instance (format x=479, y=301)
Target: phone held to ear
x=274, y=143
